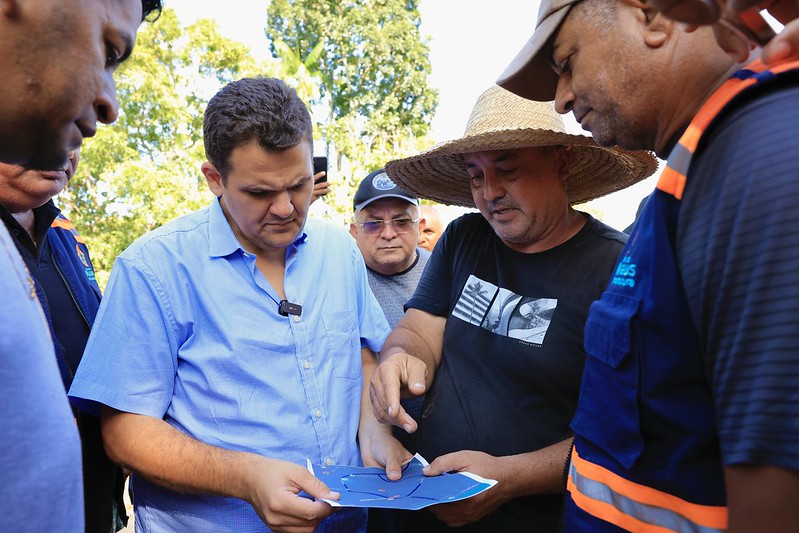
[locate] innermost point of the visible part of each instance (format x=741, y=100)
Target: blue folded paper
x=370, y=487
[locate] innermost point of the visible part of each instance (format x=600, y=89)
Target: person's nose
x=282, y=206
x=564, y=96
x=388, y=232
x=493, y=189
x=106, y=106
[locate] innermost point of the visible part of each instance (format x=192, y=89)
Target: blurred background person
x=430, y=227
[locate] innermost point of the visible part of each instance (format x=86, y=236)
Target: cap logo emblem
x=382, y=182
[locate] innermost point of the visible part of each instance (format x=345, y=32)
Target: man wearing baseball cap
x=493, y=333
x=386, y=228
x=689, y=409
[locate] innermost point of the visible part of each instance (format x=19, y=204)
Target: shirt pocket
x=608, y=412
x=344, y=343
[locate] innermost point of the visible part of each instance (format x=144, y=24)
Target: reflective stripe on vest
x=64, y=223
x=635, y=507
x=672, y=179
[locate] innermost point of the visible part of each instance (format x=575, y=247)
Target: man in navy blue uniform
x=689, y=409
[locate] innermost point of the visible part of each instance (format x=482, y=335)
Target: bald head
x=430, y=227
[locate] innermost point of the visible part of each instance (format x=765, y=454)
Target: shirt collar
x=221, y=239
x=43, y=218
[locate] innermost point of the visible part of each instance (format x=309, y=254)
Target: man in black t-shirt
x=493, y=333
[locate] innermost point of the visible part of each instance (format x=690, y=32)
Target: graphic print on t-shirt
x=504, y=312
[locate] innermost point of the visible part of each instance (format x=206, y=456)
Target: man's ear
x=353, y=230
x=213, y=178
x=655, y=27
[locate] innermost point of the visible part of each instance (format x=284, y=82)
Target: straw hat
x=501, y=120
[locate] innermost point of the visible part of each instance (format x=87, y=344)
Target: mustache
x=502, y=203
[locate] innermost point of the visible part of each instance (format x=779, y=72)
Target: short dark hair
x=150, y=6
x=264, y=110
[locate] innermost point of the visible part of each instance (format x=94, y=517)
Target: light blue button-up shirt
x=189, y=331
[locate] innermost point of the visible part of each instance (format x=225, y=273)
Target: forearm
x=540, y=472
x=154, y=449
x=368, y=424
x=408, y=361
x=378, y=446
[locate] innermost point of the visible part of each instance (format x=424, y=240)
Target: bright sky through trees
x=471, y=43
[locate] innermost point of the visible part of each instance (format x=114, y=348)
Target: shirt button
x=328, y=461
x=296, y=318
x=306, y=365
x=318, y=413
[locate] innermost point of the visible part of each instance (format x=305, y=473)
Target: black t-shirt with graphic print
x=513, y=348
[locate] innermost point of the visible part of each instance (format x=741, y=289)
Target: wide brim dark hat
x=501, y=120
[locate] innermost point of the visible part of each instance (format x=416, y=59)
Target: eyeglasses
x=400, y=225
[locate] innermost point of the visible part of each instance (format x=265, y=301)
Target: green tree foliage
x=372, y=66
x=144, y=170
x=362, y=63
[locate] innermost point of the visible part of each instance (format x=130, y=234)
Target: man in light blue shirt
x=232, y=343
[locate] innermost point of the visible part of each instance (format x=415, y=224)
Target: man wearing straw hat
x=693, y=345
x=493, y=333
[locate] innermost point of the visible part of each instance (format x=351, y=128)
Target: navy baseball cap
x=378, y=185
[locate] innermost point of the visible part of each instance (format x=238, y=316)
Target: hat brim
x=440, y=174
x=530, y=74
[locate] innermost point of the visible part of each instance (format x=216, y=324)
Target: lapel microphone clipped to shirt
x=286, y=308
